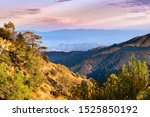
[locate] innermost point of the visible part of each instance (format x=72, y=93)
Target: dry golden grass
x=57, y=82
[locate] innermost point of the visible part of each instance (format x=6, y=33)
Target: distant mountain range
x=85, y=39
x=98, y=62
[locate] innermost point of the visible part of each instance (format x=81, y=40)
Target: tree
x=5, y=34
x=9, y=26
x=8, y=31
x=134, y=78
x=20, y=38
x=82, y=91
x=32, y=39
x=111, y=87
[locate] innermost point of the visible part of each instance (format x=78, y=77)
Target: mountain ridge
x=82, y=39
x=90, y=63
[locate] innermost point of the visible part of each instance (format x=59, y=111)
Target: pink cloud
x=59, y=20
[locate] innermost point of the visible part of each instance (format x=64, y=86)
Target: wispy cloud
x=29, y=11
x=134, y=6
x=140, y=2
x=21, y=12
x=59, y=20
x=130, y=3
x=62, y=0
x=137, y=18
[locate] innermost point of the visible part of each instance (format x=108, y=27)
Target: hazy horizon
x=83, y=39
x=57, y=15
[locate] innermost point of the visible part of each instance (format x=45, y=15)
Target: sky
x=47, y=15
x=42, y=16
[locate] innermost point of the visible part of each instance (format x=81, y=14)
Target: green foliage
x=131, y=83
x=32, y=39
x=132, y=80
x=9, y=26
x=33, y=68
x=82, y=91
x=12, y=83
x=20, y=64
x=8, y=31
x=110, y=89
x=5, y=34
x=144, y=95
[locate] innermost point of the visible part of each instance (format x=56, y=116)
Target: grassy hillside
x=26, y=74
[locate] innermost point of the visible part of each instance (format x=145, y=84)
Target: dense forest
x=25, y=72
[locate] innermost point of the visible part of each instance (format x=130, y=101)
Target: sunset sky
x=117, y=21
x=45, y=15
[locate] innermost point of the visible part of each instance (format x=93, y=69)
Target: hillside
x=55, y=55
x=26, y=74
x=101, y=61
x=57, y=83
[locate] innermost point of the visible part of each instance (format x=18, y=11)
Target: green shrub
x=132, y=80
x=12, y=83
